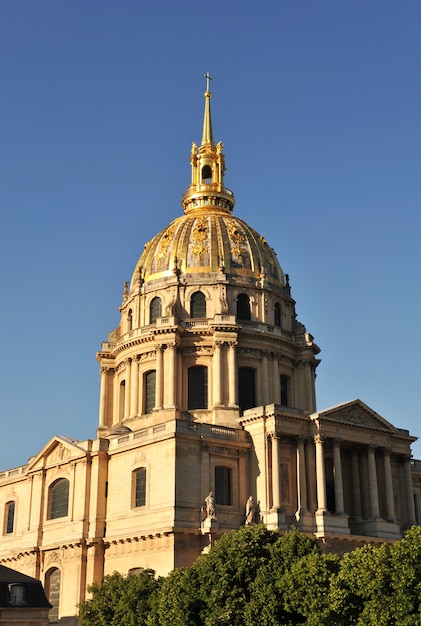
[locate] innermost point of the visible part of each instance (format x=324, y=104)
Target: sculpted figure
x=210, y=506
x=250, y=510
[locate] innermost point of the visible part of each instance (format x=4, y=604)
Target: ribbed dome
x=209, y=241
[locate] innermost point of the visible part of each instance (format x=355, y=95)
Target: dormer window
x=17, y=594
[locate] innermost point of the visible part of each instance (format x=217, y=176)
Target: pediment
x=57, y=451
x=355, y=413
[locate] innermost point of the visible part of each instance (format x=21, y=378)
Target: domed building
x=207, y=420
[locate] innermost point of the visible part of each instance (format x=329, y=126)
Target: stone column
x=276, y=469
x=276, y=382
x=159, y=376
x=232, y=375
x=337, y=477
x=301, y=478
x=103, y=396
x=217, y=373
x=116, y=399
x=264, y=379
x=356, y=488
x=388, y=482
x=372, y=482
x=320, y=474
x=311, y=475
x=172, y=350
x=409, y=491
x=127, y=388
x=134, y=394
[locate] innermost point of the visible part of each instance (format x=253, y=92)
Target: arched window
x=150, y=386
x=223, y=485
x=284, y=390
x=9, y=517
x=206, y=174
x=277, y=314
x=243, y=307
x=53, y=589
x=155, y=310
x=122, y=400
x=58, y=499
x=197, y=387
x=246, y=388
x=198, y=305
x=139, y=487
x=129, y=323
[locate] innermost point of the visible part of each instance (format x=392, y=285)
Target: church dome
x=208, y=240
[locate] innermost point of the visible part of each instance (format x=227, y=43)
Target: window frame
x=141, y=472
x=52, y=494
x=203, y=393
x=198, y=306
x=9, y=506
x=155, y=309
x=241, y=307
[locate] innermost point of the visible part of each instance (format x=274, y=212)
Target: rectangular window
x=197, y=387
x=140, y=487
x=223, y=485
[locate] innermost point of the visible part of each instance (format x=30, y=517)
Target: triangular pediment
x=356, y=413
x=58, y=450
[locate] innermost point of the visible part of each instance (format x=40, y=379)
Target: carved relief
x=60, y=453
x=165, y=242
x=200, y=237
x=52, y=557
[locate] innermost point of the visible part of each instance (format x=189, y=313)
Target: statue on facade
x=210, y=506
x=250, y=511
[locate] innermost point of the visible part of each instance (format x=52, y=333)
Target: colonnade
x=165, y=366
x=310, y=455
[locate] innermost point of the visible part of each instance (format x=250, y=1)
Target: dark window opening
x=122, y=400
x=243, y=307
x=10, y=517
x=207, y=174
x=223, y=485
x=198, y=305
x=246, y=388
x=277, y=314
x=140, y=487
x=150, y=385
x=284, y=390
x=197, y=387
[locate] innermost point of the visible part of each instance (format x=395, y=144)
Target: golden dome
x=209, y=241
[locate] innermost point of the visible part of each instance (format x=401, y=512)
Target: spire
x=207, y=191
x=207, y=136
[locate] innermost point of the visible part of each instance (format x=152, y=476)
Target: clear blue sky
x=318, y=103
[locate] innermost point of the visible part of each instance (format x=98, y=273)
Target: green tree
x=120, y=600
x=406, y=578
x=293, y=587
x=361, y=594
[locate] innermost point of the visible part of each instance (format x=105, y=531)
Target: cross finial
x=208, y=79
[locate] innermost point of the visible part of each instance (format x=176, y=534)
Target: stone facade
x=207, y=386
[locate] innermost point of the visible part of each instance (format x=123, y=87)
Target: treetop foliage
x=255, y=576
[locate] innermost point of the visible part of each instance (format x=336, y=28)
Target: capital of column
x=274, y=435
x=319, y=439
